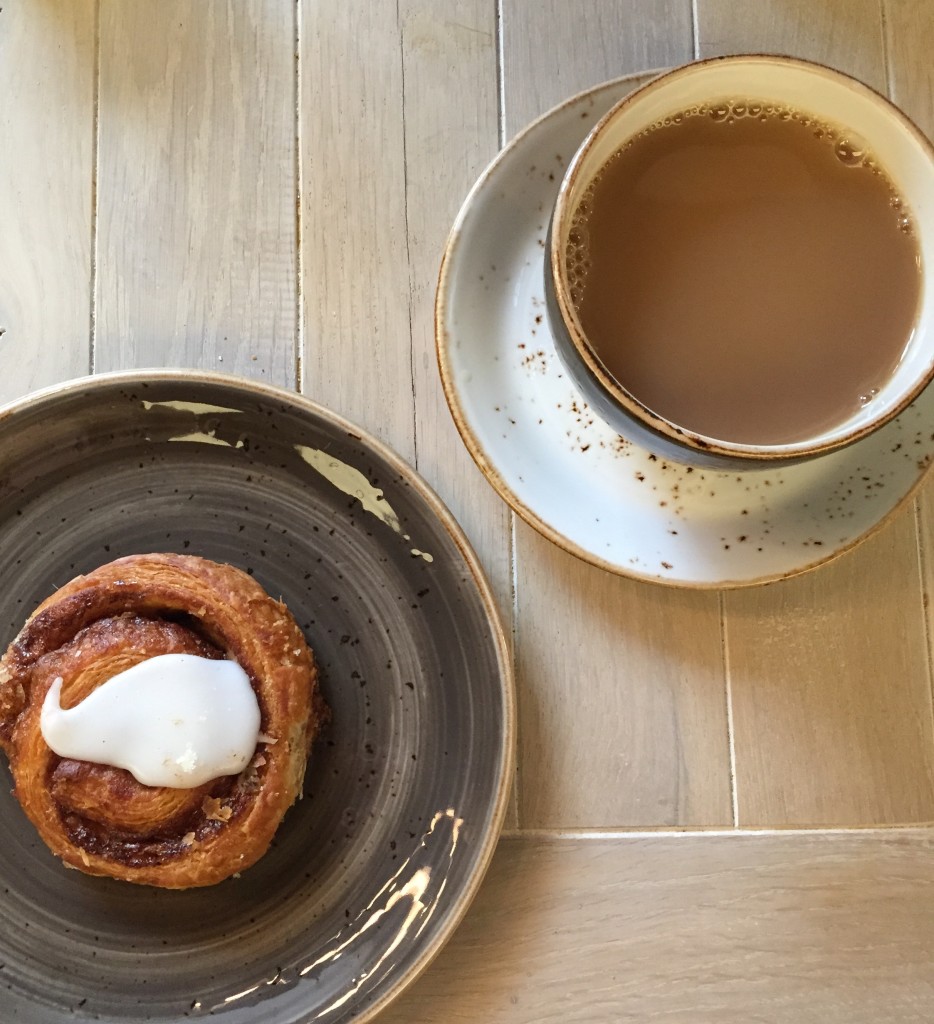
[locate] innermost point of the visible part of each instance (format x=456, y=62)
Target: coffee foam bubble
x=577, y=250
x=577, y=256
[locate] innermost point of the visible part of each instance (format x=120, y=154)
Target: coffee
x=745, y=272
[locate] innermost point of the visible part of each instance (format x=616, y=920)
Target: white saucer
x=598, y=496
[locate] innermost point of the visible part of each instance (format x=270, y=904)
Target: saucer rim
x=477, y=452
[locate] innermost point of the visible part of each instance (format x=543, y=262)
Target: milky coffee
x=746, y=272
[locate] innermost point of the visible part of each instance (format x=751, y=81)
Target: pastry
x=99, y=636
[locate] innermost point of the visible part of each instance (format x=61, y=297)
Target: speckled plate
x=406, y=790
x=599, y=496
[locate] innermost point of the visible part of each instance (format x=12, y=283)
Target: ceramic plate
x=600, y=496
x=405, y=792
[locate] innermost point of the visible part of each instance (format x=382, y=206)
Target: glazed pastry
x=90, y=637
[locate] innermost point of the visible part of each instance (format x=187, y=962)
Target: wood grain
x=451, y=134
x=774, y=929
x=450, y=115
x=622, y=718
x=197, y=236
x=910, y=41
x=355, y=261
x=846, y=34
x=909, y=34
x=555, y=48
x=831, y=693
x=47, y=68
x=837, y=729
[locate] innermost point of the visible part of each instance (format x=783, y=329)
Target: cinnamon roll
x=85, y=644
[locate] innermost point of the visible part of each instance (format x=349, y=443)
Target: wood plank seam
x=500, y=75
x=514, y=587
x=408, y=236
x=922, y=553
x=714, y=832
x=886, y=55
x=893, y=22
x=95, y=166
x=511, y=519
x=299, y=336
x=728, y=696
x=922, y=577
x=695, y=30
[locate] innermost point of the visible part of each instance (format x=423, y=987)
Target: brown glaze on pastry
x=100, y=819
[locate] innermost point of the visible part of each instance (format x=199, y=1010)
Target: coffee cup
x=738, y=263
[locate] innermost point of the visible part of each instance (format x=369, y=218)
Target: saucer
x=604, y=498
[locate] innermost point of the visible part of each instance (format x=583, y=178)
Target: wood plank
x=831, y=694
x=451, y=133
x=197, y=233
x=622, y=711
x=909, y=36
x=555, y=48
x=357, y=336
x=450, y=113
x=775, y=929
x=845, y=34
x=909, y=43
x=824, y=757
x=47, y=69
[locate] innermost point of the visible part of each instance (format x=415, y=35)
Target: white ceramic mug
x=899, y=147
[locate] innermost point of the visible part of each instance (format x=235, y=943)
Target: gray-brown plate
x=406, y=790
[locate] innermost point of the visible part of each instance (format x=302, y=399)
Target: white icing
x=175, y=720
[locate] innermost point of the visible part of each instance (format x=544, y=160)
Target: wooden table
x=723, y=800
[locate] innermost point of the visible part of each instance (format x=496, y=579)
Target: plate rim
x=484, y=463
x=506, y=670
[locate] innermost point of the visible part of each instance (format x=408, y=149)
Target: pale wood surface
x=810, y=929
x=264, y=188
x=47, y=64
x=846, y=35
x=622, y=719
x=357, y=354
x=831, y=697
x=909, y=38
x=451, y=106
x=196, y=231
x=554, y=48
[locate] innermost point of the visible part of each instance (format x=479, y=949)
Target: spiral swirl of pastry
x=99, y=819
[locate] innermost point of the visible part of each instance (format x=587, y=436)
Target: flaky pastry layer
x=99, y=819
